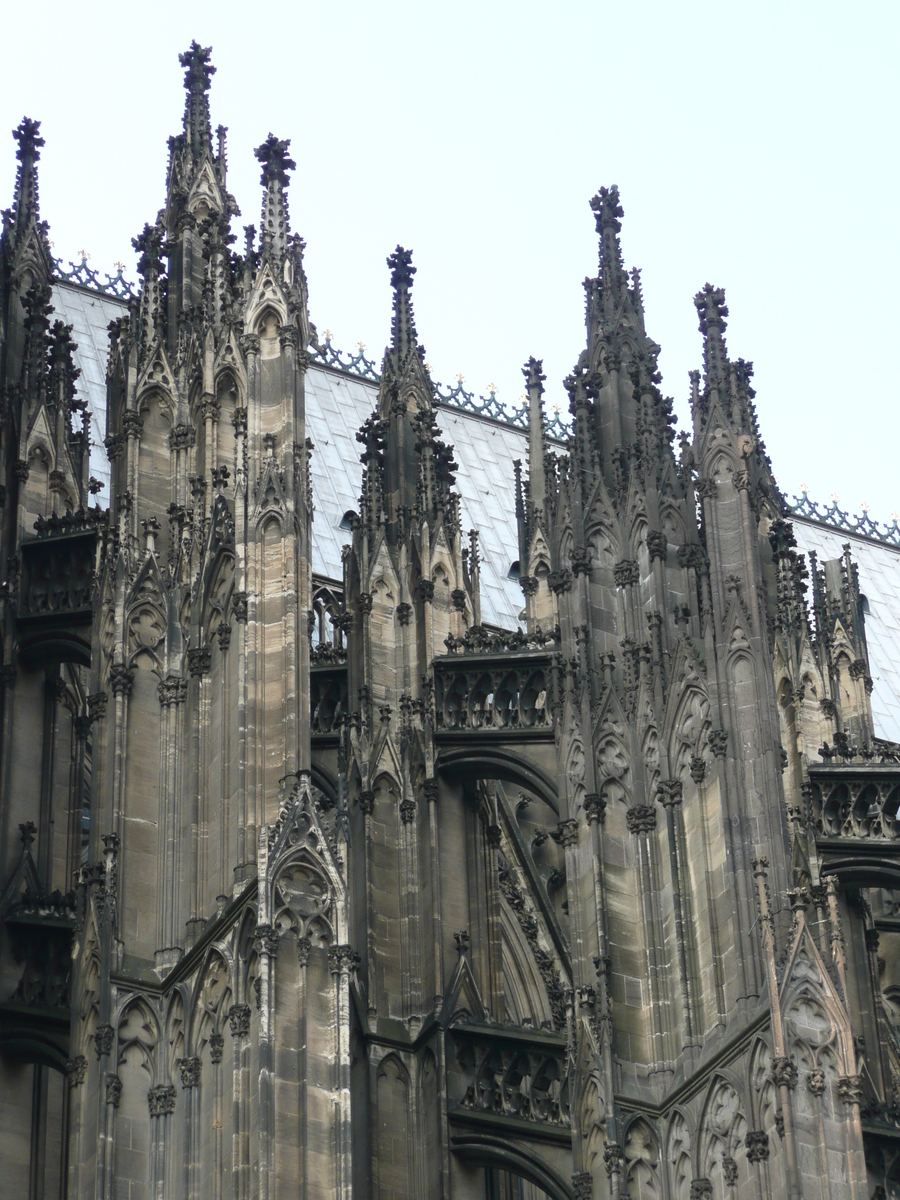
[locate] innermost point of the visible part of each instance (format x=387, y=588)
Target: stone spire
x=273, y=154
x=712, y=311
x=404, y=340
x=534, y=382
x=197, y=76
x=26, y=208
x=608, y=213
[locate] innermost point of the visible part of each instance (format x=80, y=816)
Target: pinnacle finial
x=608, y=213
x=534, y=374
x=276, y=163
x=28, y=152
x=197, y=75
x=712, y=311
x=273, y=154
x=27, y=134
x=403, y=325
x=607, y=209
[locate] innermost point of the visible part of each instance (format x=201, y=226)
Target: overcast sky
x=755, y=147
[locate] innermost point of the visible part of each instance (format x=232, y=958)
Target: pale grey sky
x=754, y=146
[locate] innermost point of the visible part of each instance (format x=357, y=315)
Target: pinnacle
x=607, y=209
x=27, y=134
x=711, y=308
x=534, y=373
x=198, y=69
x=273, y=154
x=403, y=326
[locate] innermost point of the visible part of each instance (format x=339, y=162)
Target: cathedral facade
x=360, y=837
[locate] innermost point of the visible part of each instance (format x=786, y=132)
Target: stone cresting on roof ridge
x=82, y=275
x=834, y=517
x=453, y=397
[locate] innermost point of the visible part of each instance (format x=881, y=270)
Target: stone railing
x=855, y=801
x=511, y=694
x=513, y=1072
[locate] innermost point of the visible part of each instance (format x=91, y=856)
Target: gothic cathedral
x=324, y=884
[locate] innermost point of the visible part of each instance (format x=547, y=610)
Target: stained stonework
x=325, y=884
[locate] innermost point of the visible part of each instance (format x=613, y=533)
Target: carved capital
x=528, y=584
x=641, y=819
x=425, y=590
x=239, y=606
x=57, y=481
x=199, y=661
x=595, y=808
x=407, y=811
x=121, y=679
x=757, y=1143
x=364, y=602
x=341, y=959
x=190, y=1072
x=404, y=612
x=582, y=560
x=216, y=1047
x=718, y=742
x=670, y=793
x=568, y=832
x=266, y=940
x=249, y=344
x=113, y=1090
x=161, y=1100
x=707, y=489
x=239, y=1020
x=784, y=1072
x=182, y=437
x=560, y=581
x=132, y=424
x=691, y=554
x=76, y=1070
x=815, y=1082
x=458, y=596
x=97, y=705
x=430, y=790
x=304, y=945
x=21, y=470
x=858, y=669
x=612, y=1158
x=172, y=690
x=740, y=481
x=239, y=421
x=626, y=572
x=103, y=1039
x=366, y=801
x=849, y=1089
x=701, y=1189
x=582, y=1186
x=493, y=835
x=223, y=633
x=115, y=446
x=657, y=545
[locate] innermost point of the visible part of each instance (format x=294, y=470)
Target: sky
x=754, y=146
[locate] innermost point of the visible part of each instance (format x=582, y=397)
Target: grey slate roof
x=336, y=406
x=879, y=581
x=89, y=313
